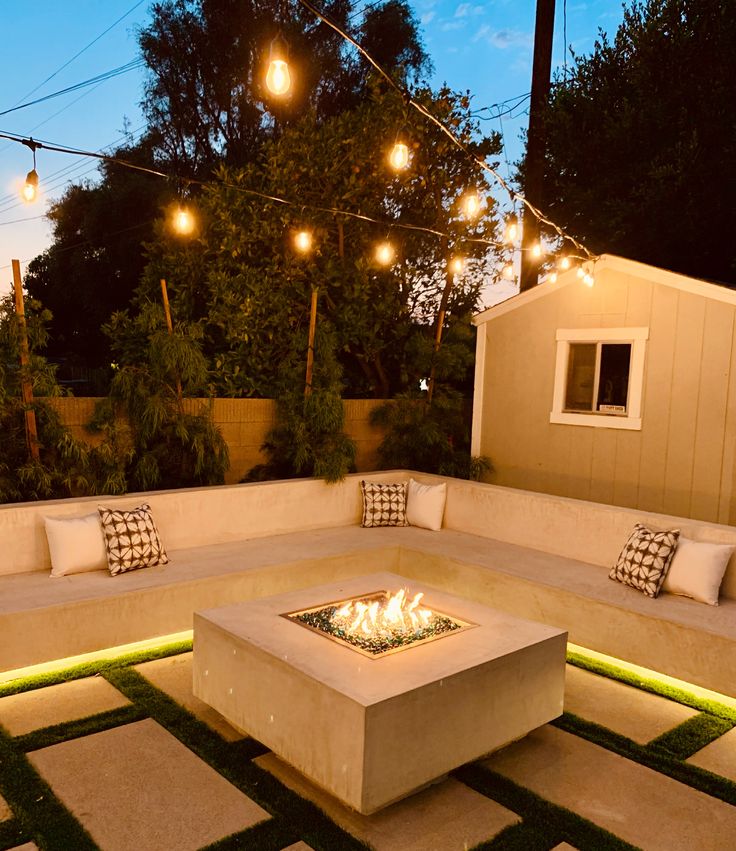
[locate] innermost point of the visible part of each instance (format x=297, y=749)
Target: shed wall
x=682, y=460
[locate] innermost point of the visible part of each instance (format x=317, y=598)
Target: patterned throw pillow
x=384, y=505
x=131, y=539
x=645, y=559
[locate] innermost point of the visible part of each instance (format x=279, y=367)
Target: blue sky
x=484, y=47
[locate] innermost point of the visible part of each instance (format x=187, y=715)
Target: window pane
x=613, y=385
x=580, y=377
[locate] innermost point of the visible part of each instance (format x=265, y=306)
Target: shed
x=623, y=392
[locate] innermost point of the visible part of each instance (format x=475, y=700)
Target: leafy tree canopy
x=642, y=139
x=251, y=291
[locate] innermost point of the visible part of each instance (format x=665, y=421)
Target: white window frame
x=598, y=419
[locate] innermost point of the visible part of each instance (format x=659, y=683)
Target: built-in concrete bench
x=537, y=556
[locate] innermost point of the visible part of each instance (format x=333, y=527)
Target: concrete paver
x=447, y=816
x=174, y=676
x=624, y=709
x=137, y=788
x=32, y=710
x=719, y=756
x=633, y=802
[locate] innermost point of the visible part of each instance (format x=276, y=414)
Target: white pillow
x=76, y=544
x=425, y=505
x=697, y=570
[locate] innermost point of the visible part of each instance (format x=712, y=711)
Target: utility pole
x=536, y=139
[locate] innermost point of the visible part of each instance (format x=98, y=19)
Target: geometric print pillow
x=131, y=539
x=645, y=559
x=384, y=505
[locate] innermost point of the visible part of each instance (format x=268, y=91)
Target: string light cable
x=419, y=107
x=51, y=146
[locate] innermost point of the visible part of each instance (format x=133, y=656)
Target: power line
x=26, y=219
x=79, y=53
x=107, y=75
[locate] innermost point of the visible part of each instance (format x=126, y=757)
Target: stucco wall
x=681, y=462
x=244, y=424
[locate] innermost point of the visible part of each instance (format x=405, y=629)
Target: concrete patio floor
x=145, y=775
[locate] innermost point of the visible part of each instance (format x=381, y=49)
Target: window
x=599, y=377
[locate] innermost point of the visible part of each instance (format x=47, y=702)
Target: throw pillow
x=645, y=558
x=131, y=539
x=76, y=544
x=697, y=570
x=425, y=505
x=384, y=505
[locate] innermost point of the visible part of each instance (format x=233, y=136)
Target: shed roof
x=610, y=262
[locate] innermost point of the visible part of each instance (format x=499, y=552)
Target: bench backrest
x=587, y=531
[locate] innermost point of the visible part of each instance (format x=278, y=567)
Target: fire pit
x=365, y=722
x=379, y=623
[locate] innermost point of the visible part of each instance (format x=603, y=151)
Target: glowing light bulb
x=385, y=253
x=303, y=241
x=553, y=277
x=183, y=221
x=536, y=250
x=399, y=156
x=278, y=77
x=588, y=279
x=30, y=187
x=564, y=263
x=508, y=272
x=511, y=233
x=580, y=272
x=457, y=264
x=471, y=205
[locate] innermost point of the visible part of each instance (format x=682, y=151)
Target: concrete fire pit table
x=372, y=730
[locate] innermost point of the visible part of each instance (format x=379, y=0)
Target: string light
x=588, y=279
x=536, y=250
x=553, y=277
x=385, y=253
x=471, y=205
x=511, y=231
x=580, y=272
x=30, y=187
x=278, y=76
x=399, y=156
x=183, y=221
x=303, y=241
x=565, y=263
x=457, y=264
x=508, y=272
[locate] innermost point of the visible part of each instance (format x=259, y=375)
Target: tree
x=251, y=291
x=205, y=95
x=638, y=136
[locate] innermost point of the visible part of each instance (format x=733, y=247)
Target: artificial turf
x=39, y=816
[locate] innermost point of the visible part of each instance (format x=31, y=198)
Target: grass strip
x=520, y=837
x=12, y=834
x=53, y=735
x=233, y=760
x=692, y=735
x=651, y=757
x=543, y=816
x=37, y=810
x=271, y=835
x=90, y=669
x=654, y=686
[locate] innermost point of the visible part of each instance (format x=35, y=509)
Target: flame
x=396, y=614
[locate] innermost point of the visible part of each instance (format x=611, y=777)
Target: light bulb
x=278, y=78
x=511, y=232
x=471, y=205
x=183, y=221
x=399, y=156
x=456, y=265
x=580, y=272
x=30, y=187
x=553, y=277
x=508, y=272
x=536, y=250
x=303, y=241
x=564, y=263
x=588, y=279
x=385, y=253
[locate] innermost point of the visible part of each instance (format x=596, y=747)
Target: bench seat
x=42, y=619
